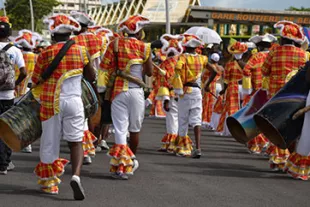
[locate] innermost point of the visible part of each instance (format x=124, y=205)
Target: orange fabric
x=168, y=142
x=298, y=166
x=91, y=42
x=131, y=51
x=208, y=99
x=30, y=60
x=121, y=159
x=232, y=74
x=75, y=59
x=165, y=81
x=88, y=143
x=183, y=146
x=253, y=69
x=50, y=171
x=258, y=145
x=279, y=63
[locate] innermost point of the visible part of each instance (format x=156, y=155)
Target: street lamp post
x=32, y=17
x=168, y=26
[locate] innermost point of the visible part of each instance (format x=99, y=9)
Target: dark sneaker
x=196, y=154
x=120, y=176
x=78, y=191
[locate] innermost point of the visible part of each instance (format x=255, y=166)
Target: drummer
x=282, y=63
x=93, y=45
x=7, y=90
x=62, y=111
x=26, y=40
x=253, y=81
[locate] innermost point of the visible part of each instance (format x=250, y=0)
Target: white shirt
x=136, y=71
x=18, y=60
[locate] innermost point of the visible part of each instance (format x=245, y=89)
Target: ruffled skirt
x=121, y=159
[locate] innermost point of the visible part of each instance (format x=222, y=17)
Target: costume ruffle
x=258, y=145
x=48, y=174
x=88, y=144
x=121, y=159
x=163, y=93
x=298, y=166
x=184, y=146
x=168, y=143
x=278, y=157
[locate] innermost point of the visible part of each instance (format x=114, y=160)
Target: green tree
x=19, y=12
x=291, y=8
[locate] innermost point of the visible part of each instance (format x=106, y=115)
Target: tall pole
x=32, y=17
x=168, y=26
x=85, y=7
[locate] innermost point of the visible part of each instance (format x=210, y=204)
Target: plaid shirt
x=71, y=65
x=130, y=51
x=166, y=81
x=280, y=62
x=253, y=69
x=188, y=69
x=30, y=60
x=91, y=42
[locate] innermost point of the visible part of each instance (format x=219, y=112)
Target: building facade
x=76, y=5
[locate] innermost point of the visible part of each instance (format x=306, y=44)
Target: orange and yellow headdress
x=133, y=24
x=291, y=30
x=171, y=43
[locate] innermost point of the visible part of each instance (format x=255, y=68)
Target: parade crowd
x=195, y=85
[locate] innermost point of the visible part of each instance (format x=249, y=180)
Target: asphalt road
x=226, y=175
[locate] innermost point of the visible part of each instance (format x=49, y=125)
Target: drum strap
x=54, y=64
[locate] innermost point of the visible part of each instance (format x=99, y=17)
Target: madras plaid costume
x=282, y=61
x=71, y=65
x=30, y=60
x=188, y=70
x=232, y=74
x=91, y=42
x=208, y=99
x=130, y=52
x=165, y=92
x=76, y=57
x=253, y=79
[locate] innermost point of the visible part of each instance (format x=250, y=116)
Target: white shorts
x=189, y=113
x=127, y=113
x=68, y=124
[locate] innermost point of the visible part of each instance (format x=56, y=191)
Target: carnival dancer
x=253, y=81
x=209, y=97
x=93, y=44
x=10, y=57
x=172, y=47
x=127, y=96
x=186, y=84
x=62, y=110
x=298, y=163
x=232, y=75
x=282, y=63
x=27, y=41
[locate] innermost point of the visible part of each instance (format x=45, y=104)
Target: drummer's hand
x=207, y=88
x=166, y=105
x=222, y=92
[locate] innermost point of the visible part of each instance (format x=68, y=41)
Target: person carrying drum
x=126, y=60
x=172, y=47
x=187, y=85
x=282, y=63
x=62, y=110
x=253, y=81
x=11, y=57
x=93, y=44
x=298, y=163
x=26, y=40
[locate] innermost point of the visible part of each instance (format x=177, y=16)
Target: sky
x=257, y=4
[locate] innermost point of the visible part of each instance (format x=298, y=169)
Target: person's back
x=280, y=62
x=58, y=84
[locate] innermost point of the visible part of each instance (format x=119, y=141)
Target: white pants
x=68, y=124
x=190, y=113
x=172, y=117
x=215, y=119
x=127, y=113
x=303, y=146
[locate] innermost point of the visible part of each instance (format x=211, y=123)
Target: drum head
x=270, y=131
x=236, y=130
